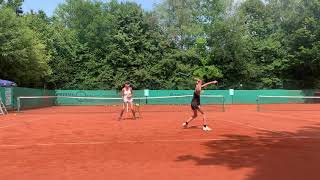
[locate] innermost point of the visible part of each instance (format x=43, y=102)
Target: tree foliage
x=99, y=45
x=23, y=56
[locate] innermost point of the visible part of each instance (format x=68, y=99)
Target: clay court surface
x=82, y=143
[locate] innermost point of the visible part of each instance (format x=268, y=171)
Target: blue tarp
x=6, y=83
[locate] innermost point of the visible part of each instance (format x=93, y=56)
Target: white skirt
x=127, y=100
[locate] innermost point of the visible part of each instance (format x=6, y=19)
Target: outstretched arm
x=206, y=84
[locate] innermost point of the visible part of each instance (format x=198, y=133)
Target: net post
x=18, y=104
x=146, y=94
x=223, y=105
x=258, y=104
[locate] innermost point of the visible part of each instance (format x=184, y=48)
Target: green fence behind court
x=2, y=95
x=32, y=102
x=6, y=96
x=239, y=97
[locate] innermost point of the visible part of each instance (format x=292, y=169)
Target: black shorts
x=195, y=106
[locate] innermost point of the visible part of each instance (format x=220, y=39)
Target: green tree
x=12, y=4
x=303, y=39
x=22, y=54
x=98, y=45
x=136, y=46
x=182, y=20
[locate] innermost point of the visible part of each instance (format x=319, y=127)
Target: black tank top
x=196, y=98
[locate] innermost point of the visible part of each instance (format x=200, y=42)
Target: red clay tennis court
x=58, y=143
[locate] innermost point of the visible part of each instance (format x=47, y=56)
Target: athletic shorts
x=195, y=106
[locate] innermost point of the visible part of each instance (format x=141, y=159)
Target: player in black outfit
x=195, y=104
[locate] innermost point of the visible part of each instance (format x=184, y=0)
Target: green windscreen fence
x=93, y=97
x=6, y=97
x=155, y=97
x=34, y=98
x=239, y=97
x=307, y=100
x=250, y=96
x=2, y=95
x=33, y=102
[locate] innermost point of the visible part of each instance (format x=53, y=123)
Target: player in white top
x=126, y=94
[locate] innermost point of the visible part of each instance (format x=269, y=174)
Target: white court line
x=251, y=126
x=258, y=128
x=150, y=141
x=293, y=118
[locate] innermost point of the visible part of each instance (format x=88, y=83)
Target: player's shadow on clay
x=283, y=155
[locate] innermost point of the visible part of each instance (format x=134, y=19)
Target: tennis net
x=288, y=103
x=105, y=104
